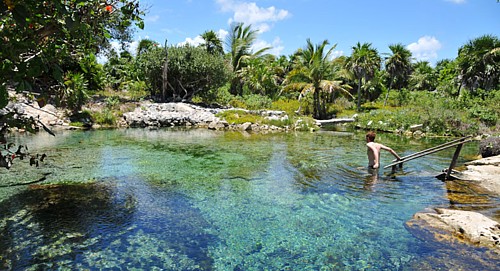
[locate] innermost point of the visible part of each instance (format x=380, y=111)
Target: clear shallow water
x=206, y=200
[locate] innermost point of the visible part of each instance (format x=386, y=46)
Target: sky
x=431, y=29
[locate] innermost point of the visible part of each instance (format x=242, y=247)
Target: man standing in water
x=373, y=151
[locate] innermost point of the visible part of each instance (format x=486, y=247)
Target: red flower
x=109, y=8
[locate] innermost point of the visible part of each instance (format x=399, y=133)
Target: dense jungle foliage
x=49, y=50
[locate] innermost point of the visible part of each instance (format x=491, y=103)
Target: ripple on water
x=183, y=200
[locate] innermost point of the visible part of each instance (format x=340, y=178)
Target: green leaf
x=140, y=24
x=34, y=70
x=24, y=86
x=20, y=14
x=4, y=96
x=70, y=23
x=57, y=73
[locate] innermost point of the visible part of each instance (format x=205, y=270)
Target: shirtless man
x=373, y=150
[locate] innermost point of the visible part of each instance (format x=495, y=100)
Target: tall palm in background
x=398, y=67
x=313, y=72
x=479, y=63
x=363, y=63
x=212, y=42
x=259, y=76
x=423, y=77
x=239, y=45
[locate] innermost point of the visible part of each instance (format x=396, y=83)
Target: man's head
x=370, y=136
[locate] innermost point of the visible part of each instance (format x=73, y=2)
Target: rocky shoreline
x=466, y=226
x=189, y=115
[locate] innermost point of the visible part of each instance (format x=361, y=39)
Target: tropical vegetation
x=51, y=50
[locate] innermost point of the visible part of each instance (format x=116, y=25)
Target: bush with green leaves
x=75, y=93
x=256, y=101
x=42, y=40
x=191, y=71
x=149, y=68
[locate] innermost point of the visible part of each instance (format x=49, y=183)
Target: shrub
x=287, y=105
x=239, y=117
x=106, y=117
x=486, y=115
x=256, y=101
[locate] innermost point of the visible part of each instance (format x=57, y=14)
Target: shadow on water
x=69, y=226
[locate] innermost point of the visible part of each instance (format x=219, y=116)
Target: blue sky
x=431, y=29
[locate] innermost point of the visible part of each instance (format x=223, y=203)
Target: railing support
x=453, y=161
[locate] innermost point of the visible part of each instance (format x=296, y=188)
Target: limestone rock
x=416, y=127
x=484, y=172
x=470, y=227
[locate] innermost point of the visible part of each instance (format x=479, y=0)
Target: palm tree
x=479, y=63
x=260, y=76
x=398, y=66
x=363, y=63
x=313, y=72
x=447, y=74
x=424, y=76
x=239, y=43
x=212, y=42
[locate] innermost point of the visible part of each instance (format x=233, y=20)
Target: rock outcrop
x=184, y=114
x=170, y=114
x=484, y=172
x=470, y=227
x=24, y=108
x=489, y=147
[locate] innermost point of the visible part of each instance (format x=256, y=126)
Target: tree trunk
x=389, y=89
x=317, y=105
x=359, y=95
x=165, y=76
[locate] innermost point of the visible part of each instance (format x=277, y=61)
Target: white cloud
x=130, y=47
x=276, y=46
x=425, y=48
x=456, y=1
x=152, y=19
x=199, y=40
x=337, y=53
x=250, y=13
x=222, y=34
x=192, y=41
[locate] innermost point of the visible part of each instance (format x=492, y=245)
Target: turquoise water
x=197, y=199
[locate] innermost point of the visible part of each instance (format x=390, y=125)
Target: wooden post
x=453, y=161
x=165, y=75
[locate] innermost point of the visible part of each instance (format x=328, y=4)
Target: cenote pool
x=197, y=199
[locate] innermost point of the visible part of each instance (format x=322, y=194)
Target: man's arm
x=391, y=151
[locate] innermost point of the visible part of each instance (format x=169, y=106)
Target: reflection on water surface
x=206, y=200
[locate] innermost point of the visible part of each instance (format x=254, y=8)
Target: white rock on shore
x=470, y=227
x=484, y=172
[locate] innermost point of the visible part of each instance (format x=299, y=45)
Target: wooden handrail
x=430, y=151
x=433, y=148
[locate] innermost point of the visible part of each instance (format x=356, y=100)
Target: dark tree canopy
x=41, y=39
